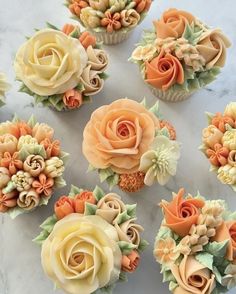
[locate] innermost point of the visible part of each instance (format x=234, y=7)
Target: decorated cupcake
x=195, y=245
x=90, y=242
x=4, y=86
x=31, y=165
x=219, y=144
x=180, y=56
x=61, y=69
x=130, y=145
x=111, y=21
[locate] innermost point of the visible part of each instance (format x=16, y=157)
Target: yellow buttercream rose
x=230, y=110
x=229, y=139
x=81, y=254
x=50, y=62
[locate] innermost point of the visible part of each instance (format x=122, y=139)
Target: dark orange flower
x=12, y=162
x=52, y=148
x=87, y=40
x=7, y=201
x=142, y=5
x=82, y=198
x=219, y=155
x=72, y=99
x=76, y=6
x=63, y=207
x=68, y=29
x=220, y=121
x=130, y=262
x=43, y=185
x=111, y=21
x=19, y=129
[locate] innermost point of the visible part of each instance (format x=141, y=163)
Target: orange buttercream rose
x=164, y=71
x=118, y=134
x=63, y=207
x=130, y=262
x=227, y=231
x=142, y=5
x=81, y=199
x=86, y=39
x=173, y=23
x=72, y=99
x=181, y=214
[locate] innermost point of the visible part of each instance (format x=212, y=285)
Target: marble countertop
x=20, y=269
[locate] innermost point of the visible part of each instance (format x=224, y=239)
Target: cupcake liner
x=171, y=95
x=111, y=38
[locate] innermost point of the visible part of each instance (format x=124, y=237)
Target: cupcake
x=195, y=245
x=111, y=21
x=130, y=145
x=61, y=69
x=4, y=86
x=219, y=144
x=91, y=242
x=31, y=165
x=180, y=56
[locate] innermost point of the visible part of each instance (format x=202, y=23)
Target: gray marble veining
x=20, y=269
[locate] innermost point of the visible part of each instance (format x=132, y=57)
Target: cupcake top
x=196, y=245
x=109, y=15
x=63, y=68
x=31, y=165
x=91, y=242
x=131, y=145
x=181, y=53
x=4, y=87
x=219, y=144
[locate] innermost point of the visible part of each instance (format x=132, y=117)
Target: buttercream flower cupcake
x=91, y=242
x=130, y=145
x=111, y=21
x=180, y=56
x=195, y=245
x=4, y=87
x=61, y=69
x=219, y=144
x=31, y=165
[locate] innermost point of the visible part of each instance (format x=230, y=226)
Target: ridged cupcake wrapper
x=111, y=38
x=171, y=95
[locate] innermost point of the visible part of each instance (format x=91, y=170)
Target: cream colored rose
x=34, y=165
x=8, y=143
x=4, y=177
x=50, y=62
x=129, y=231
x=97, y=58
x=26, y=140
x=89, y=18
x=110, y=206
x=4, y=86
x=229, y=139
x=28, y=200
x=211, y=135
x=81, y=254
x=129, y=18
x=100, y=5
x=227, y=174
x=230, y=110
x=91, y=81
x=145, y=53
x=42, y=131
x=212, y=46
x=192, y=277
x=54, y=167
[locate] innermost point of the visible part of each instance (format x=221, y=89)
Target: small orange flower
x=52, y=148
x=130, y=262
x=20, y=129
x=219, y=155
x=68, y=29
x=142, y=5
x=87, y=40
x=82, y=198
x=7, y=201
x=12, y=162
x=76, y=6
x=111, y=21
x=63, y=207
x=72, y=99
x=169, y=126
x=220, y=121
x=43, y=185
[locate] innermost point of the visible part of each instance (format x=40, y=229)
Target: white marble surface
x=20, y=269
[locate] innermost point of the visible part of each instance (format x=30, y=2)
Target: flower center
x=125, y=129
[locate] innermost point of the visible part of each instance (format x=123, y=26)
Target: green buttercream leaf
x=219, y=289
x=155, y=109
x=90, y=209
x=87, y=99
x=142, y=245
x=148, y=37
x=80, y=87
x=59, y=182
x=49, y=223
x=217, y=249
x=230, y=216
x=105, y=173
x=98, y=193
x=205, y=259
x=43, y=201
x=25, y=89
x=192, y=34
x=173, y=286
x=131, y=210
x=165, y=232
x=144, y=102
x=168, y=276
x=32, y=121
x=112, y=181
x=14, y=212
x=91, y=168
x=209, y=116
x=29, y=149
x=123, y=217
x=41, y=237
x=123, y=277
x=74, y=191
x=64, y=156
x=126, y=247
x=163, y=132
x=51, y=26
x=217, y=274
x=103, y=75
x=107, y=290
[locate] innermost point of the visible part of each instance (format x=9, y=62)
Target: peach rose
x=130, y=262
x=87, y=40
x=164, y=71
x=211, y=136
x=173, y=23
x=142, y=5
x=227, y=231
x=8, y=143
x=81, y=199
x=192, y=277
x=181, y=214
x=72, y=99
x=63, y=207
x=118, y=134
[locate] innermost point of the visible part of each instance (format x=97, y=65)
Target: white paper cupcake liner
x=111, y=38
x=171, y=95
